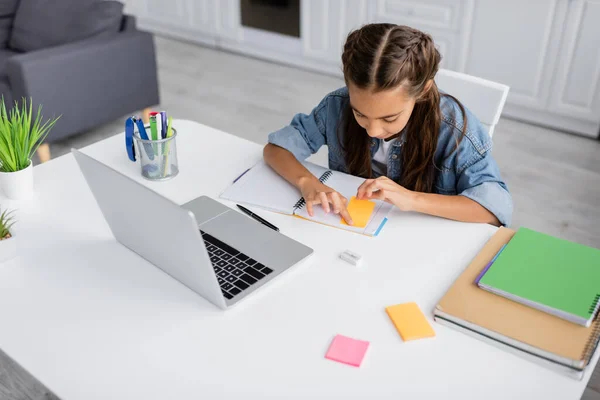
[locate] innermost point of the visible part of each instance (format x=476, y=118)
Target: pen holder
x=158, y=158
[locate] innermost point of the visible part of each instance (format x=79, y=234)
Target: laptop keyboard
x=235, y=271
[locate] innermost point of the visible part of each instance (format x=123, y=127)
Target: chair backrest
x=484, y=98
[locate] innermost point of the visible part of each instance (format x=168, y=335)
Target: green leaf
x=21, y=133
x=6, y=222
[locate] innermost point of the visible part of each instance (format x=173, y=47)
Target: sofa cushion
x=4, y=56
x=7, y=14
x=6, y=93
x=5, y=27
x=102, y=18
x=40, y=24
x=8, y=7
x=4, y=84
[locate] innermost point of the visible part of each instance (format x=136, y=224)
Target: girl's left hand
x=383, y=188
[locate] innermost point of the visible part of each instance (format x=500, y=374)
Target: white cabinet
x=178, y=10
x=447, y=21
x=203, y=15
x=228, y=19
x=524, y=59
x=575, y=88
x=547, y=51
x=190, y=20
x=325, y=24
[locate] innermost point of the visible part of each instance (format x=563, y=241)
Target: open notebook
x=262, y=187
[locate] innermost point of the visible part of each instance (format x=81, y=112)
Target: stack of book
x=531, y=294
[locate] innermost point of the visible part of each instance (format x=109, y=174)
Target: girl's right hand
x=315, y=192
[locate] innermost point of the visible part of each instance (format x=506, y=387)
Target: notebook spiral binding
x=594, y=307
x=326, y=175
x=592, y=343
x=300, y=203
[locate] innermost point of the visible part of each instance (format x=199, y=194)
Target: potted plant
x=8, y=244
x=20, y=136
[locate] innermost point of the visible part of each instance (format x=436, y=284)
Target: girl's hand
x=315, y=192
x=383, y=188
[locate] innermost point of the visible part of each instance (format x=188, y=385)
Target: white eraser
x=351, y=257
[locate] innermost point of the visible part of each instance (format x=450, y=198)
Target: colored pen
x=170, y=127
x=163, y=124
x=167, y=148
x=141, y=128
x=258, y=218
x=153, y=131
x=158, y=127
x=144, y=136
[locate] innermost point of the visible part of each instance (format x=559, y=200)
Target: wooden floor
x=18, y=384
x=554, y=177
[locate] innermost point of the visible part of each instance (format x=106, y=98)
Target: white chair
x=484, y=98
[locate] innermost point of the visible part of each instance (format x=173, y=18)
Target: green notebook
x=547, y=273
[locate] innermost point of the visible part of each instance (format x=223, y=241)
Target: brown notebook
x=468, y=305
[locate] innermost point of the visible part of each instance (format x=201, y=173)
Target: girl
x=419, y=149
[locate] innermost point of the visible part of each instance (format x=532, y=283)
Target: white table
x=92, y=320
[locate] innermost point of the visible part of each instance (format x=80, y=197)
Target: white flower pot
x=8, y=249
x=18, y=185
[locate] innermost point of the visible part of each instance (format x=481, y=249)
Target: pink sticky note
x=347, y=350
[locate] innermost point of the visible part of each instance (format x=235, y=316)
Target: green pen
x=166, y=149
x=170, y=127
x=169, y=134
x=153, y=129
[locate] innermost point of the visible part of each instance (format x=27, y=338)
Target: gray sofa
x=81, y=59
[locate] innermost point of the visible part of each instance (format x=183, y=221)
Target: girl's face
x=382, y=114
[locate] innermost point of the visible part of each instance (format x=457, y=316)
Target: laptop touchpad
x=205, y=208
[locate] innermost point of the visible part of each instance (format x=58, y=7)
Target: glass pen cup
x=158, y=158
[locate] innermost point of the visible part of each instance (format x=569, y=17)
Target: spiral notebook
x=262, y=187
x=553, y=275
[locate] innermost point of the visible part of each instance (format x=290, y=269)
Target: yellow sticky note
x=360, y=211
x=409, y=321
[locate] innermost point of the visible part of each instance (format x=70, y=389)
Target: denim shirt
x=468, y=171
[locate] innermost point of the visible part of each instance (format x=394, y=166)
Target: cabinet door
x=516, y=43
x=325, y=24
x=576, y=88
x=204, y=15
x=195, y=20
x=443, y=15
x=176, y=13
x=229, y=19
x=447, y=21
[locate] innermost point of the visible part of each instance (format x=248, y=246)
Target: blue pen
x=141, y=128
x=163, y=131
x=144, y=136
